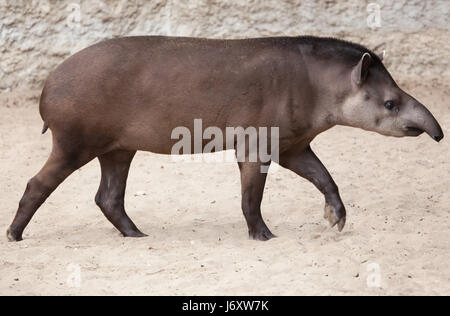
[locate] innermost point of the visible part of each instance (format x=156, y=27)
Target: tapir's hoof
x=335, y=217
x=135, y=234
x=262, y=234
x=12, y=237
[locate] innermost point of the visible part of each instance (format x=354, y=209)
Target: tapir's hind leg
x=110, y=196
x=58, y=167
x=253, y=182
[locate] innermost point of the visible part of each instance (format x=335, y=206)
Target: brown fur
x=124, y=95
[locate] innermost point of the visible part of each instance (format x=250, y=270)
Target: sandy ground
x=395, y=190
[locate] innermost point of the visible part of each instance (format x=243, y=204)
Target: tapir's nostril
x=438, y=138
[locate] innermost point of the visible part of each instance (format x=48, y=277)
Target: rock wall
x=36, y=35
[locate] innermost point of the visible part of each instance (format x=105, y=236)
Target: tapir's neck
x=330, y=85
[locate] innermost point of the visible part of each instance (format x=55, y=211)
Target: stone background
x=36, y=35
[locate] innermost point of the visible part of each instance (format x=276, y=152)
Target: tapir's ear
x=361, y=70
x=382, y=55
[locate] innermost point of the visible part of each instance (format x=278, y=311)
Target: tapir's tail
x=45, y=128
x=41, y=101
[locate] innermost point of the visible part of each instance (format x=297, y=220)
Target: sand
x=396, y=241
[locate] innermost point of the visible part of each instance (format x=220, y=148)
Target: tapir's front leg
x=306, y=164
x=253, y=182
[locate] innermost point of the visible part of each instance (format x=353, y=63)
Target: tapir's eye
x=389, y=105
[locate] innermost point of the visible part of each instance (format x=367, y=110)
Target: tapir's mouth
x=413, y=131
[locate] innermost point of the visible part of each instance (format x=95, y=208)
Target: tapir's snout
x=439, y=137
x=421, y=120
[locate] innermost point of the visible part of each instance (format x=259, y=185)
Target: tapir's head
x=376, y=103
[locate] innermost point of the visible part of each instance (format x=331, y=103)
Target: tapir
x=125, y=95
